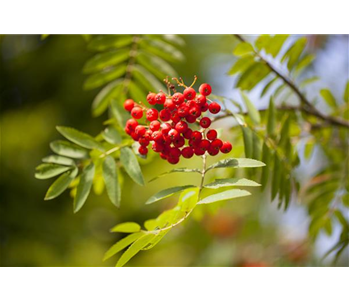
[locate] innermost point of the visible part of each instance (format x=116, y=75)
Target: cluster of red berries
x=168, y=131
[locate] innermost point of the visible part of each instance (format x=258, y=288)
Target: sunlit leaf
x=251, y=109
x=157, y=66
x=305, y=62
x=45, y=171
x=104, y=97
x=111, y=135
x=329, y=98
x=227, y=182
x=242, y=64
x=61, y=184
x=237, y=163
x=131, y=165
x=188, y=199
x=167, y=193
x=162, y=49
x=68, y=149
x=60, y=160
x=147, y=79
x=307, y=81
x=84, y=186
x=127, y=227
x=268, y=85
x=110, y=176
x=226, y=195
x=102, y=43
x=242, y=49
x=294, y=52
x=177, y=170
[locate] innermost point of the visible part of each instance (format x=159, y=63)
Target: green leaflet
x=304, y=62
x=136, y=93
x=248, y=142
x=137, y=246
x=162, y=49
x=251, y=109
x=227, y=182
x=294, y=52
x=237, y=163
x=68, y=149
x=188, y=199
x=84, y=186
x=105, y=42
x=266, y=159
x=122, y=244
x=60, y=160
x=104, y=60
x=346, y=93
x=110, y=176
x=268, y=85
x=243, y=49
x=131, y=165
x=111, y=135
x=45, y=171
x=271, y=124
x=242, y=64
x=177, y=170
x=167, y=193
x=127, y=227
x=105, y=96
x=80, y=138
x=226, y=195
x=147, y=79
x=307, y=81
x=252, y=76
x=61, y=184
x=329, y=98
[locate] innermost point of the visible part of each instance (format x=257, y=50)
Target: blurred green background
x=41, y=87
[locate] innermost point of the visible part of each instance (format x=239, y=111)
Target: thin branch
x=307, y=105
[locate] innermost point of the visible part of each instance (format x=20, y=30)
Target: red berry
x=187, y=134
x=135, y=136
x=173, y=160
x=173, y=134
x=128, y=130
x=187, y=152
x=165, y=115
x=169, y=104
x=217, y=144
x=174, y=152
x=181, y=126
x=193, y=143
x=129, y=104
x=212, y=151
x=205, y=122
x=131, y=124
x=137, y=112
x=199, y=151
x=211, y=134
x=175, y=117
x=200, y=100
x=189, y=93
x=154, y=125
x=178, y=98
x=196, y=136
x=140, y=130
x=152, y=114
x=183, y=110
x=148, y=134
x=179, y=142
x=160, y=98
x=157, y=147
x=195, y=111
x=143, y=150
x=214, y=108
x=157, y=136
x=143, y=141
x=205, y=89
x=151, y=98
x=190, y=119
x=165, y=128
x=226, y=147
x=204, y=145
x=204, y=107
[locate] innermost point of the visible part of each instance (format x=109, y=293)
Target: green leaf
x=248, y=142
x=61, y=184
x=251, y=109
x=268, y=85
x=157, y=66
x=122, y=244
x=167, y=193
x=226, y=195
x=137, y=246
x=265, y=171
x=80, y=138
x=345, y=200
x=106, y=59
x=105, y=96
x=110, y=176
x=243, y=49
x=111, y=135
x=84, y=186
x=162, y=49
x=304, y=62
x=102, y=43
x=127, y=227
x=147, y=79
x=118, y=111
x=156, y=240
x=177, y=170
x=242, y=64
x=329, y=98
x=45, y=171
x=271, y=125
x=136, y=93
x=131, y=165
x=307, y=81
x=275, y=44
x=346, y=93
x=60, y=160
x=262, y=41
x=294, y=52
x=226, y=182
x=188, y=199
x=277, y=173
x=252, y=76
x=68, y=149
x=257, y=148
x=104, y=77
x=237, y=163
